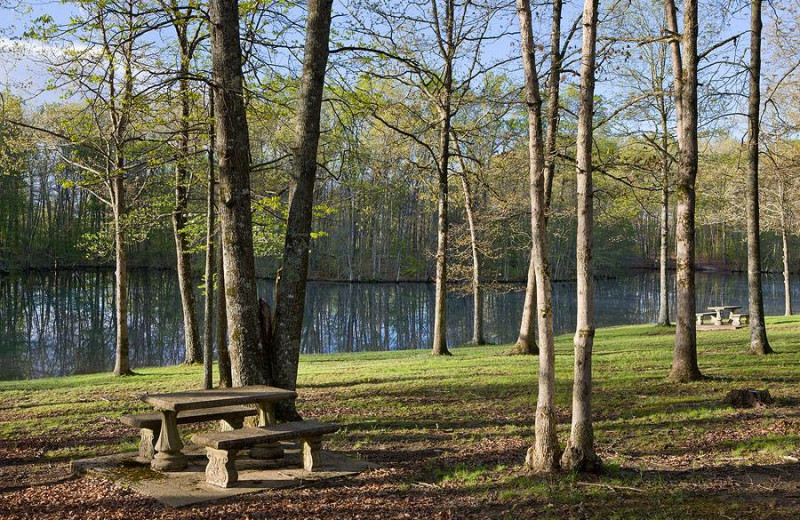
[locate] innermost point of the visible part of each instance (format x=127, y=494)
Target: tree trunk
x=233, y=152
x=553, y=91
x=663, y=295
x=193, y=353
x=526, y=341
x=544, y=455
x=579, y=454
x=223, y=354
x=787, y=289
x=477, y=290
x=445, y=115
x=208, y=308
x=684, y=359
x=758, y=330
x=677, y=63
x=122, y=362
x=291, y=288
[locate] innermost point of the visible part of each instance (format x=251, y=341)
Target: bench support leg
x=221, y=467
x=147, y=443
x=271, y=450
x=231, y=423
x=168, y=455
x=311, y=459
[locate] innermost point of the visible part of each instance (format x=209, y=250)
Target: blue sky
x=22, y=70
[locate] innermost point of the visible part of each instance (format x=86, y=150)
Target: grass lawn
x=451, y=435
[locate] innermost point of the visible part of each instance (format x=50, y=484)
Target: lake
x=62, y=323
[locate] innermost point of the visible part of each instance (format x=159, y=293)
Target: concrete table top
x=198, y=399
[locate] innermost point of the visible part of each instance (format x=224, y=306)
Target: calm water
x=63, y=323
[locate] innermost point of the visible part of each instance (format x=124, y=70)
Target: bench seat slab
x=246, y=437
x=152, y=420
x=149, y=424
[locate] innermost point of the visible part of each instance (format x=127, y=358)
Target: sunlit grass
x=477, y=408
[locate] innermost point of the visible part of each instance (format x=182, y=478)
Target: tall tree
x=291, y=285
x=781, y=194
x=103, y=136
x=758, y=330
x=233, y=153
x=526, y=340
x=188, y=38
x=446, y=40
x=435, y=48
x=684, y=64
x=645, y=81
x=579, y=453
x=544, y=455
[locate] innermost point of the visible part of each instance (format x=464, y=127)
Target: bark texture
x=544, y=455
x=758, y=329
x=233, y=152
x=291, y=287
x=684, y=358
x=579, y=454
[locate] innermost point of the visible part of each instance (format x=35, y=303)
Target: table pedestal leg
x=169, y=456
x=272, y=450
x=147, y=443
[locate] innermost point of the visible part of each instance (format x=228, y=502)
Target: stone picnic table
x=169, y=455
x=723, y=308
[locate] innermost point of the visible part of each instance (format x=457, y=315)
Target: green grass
x=463, y=423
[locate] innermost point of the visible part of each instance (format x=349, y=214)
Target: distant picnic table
x=723, y=309
x=717, y=315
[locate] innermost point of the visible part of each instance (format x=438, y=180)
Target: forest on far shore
x=377, y=222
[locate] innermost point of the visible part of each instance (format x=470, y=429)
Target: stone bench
x=736, y=319
x=149, y=424
x=701, y=315
x=222, y=447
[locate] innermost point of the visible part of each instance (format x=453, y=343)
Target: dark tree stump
x=748, y=398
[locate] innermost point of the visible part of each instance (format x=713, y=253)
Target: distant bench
x=149, y=424
x=736, y=319
x=701, y=315
x=222, y=447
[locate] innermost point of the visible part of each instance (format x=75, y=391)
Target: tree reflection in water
x=54, y=324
